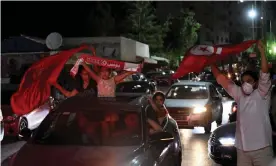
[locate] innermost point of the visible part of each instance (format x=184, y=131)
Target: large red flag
x=34, y=88
x=200, y=56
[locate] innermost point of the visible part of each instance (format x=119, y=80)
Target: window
x=230, y=23
x=217, y=38
x=187, y=92
x=191, y=8
x=221, y=39
x=103, y=128
x=226, y=40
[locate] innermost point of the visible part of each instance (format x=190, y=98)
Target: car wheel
x=219, y=119
x=23, y=124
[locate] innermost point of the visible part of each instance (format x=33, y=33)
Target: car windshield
x=187, y=92
x=101, y=128
x=132, y=87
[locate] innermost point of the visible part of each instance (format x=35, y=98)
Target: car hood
x=185, y=102
x=227, y=130
x=50, y=155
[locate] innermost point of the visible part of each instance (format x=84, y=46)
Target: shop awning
x=160, y=59
x=147, y=60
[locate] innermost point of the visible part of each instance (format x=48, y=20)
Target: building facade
x=223, y=22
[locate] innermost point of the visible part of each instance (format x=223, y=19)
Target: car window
x=187, y=92
x=130, y=87
x=103, y=128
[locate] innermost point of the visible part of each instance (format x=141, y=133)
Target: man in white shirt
x=253, y=131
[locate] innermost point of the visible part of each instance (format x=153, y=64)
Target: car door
x=215, y=101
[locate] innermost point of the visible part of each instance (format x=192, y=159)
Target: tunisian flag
x=34, y=89
x=200, y=56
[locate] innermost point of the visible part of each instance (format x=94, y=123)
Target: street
x=194, y=143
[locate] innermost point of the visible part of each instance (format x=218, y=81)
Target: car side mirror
x=161, y=137
x=25, y=134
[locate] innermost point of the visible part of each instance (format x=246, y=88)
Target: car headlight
x=227, y=141
x=229, y=75
x=198, y=110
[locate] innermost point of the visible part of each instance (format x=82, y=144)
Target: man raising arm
x=253, y=130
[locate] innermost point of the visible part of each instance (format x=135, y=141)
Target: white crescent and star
x=202, y=50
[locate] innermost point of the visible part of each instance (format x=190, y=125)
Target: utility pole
x=262, y=19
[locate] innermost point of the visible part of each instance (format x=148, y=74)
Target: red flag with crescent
x=35, y=88
x=200, y=56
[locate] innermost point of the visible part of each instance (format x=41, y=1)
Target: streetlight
x=252, y=14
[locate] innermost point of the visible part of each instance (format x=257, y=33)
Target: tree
x=100, y=20
x=182, y=34
x=143, y=25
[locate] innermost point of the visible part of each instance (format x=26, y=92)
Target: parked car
x=78, y=132
x=152, y=75
x=10, y=120
x=13, y=123
x=134, y=88
x=190, y=77
x=142, y=77
x=194, y=104
x=165, y=80
x=2, y=126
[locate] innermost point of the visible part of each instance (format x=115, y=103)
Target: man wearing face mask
x=253, y=131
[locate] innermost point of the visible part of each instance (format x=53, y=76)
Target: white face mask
x=247, y=88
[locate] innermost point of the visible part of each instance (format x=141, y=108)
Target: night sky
x=41, y=18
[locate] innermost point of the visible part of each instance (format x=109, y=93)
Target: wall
x=112, y=47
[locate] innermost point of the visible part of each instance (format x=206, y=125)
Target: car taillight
x=10, y=118
x=234, y=109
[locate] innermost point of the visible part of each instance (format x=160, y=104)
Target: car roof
x=184, y=82
x=92, y=103
x=133, y=82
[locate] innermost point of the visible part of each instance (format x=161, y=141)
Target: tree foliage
x=143, y=25
x=100, y=20
x=182, y=34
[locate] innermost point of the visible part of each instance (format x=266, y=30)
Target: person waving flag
x=200, y=56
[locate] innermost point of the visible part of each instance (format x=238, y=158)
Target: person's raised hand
x=261, y=46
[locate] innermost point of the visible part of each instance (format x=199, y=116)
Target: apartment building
x=225, y=21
